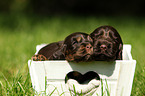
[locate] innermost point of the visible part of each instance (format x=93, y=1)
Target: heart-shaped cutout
x=82, y=84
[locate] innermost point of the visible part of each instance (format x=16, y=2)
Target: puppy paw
x=39, y=58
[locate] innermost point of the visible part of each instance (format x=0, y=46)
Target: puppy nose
x=103, y=47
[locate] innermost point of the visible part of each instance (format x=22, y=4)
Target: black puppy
x=107, y=45
x=76, y=47
x=79, y=47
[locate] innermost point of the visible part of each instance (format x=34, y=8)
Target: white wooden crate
x=119, y=74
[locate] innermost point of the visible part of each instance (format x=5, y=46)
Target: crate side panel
x=56, y=70
x=31, y=71
x=106, y=70
x=39, y=75
x=126, y=78
x=108, y=85
x=58, y=88
x=127, y=52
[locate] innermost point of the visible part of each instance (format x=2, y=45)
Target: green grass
x=20, y=34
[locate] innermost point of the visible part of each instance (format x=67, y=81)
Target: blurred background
x=27, y=23
x=77, y=7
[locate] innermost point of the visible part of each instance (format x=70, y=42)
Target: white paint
x=119, y=74
x=84, y=89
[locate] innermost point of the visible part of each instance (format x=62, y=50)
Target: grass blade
x=107, y=88
x=21, y=87
x=1, y=89
x=102, y=92
x=74, y=90
x=53, y=91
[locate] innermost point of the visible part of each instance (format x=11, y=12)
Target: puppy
x=79, y=47
x=107, y=44
x=76, y=47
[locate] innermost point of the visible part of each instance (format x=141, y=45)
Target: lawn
x=19, y=35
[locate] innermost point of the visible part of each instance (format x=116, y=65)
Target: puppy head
x=79, y=47
x=107, y=44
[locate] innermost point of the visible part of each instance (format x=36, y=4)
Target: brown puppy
x=76, y=47
x=79, y=47
x=107, y=45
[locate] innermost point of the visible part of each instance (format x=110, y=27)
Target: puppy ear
x=119, y=55
x=63, y=48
